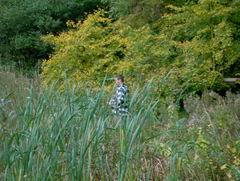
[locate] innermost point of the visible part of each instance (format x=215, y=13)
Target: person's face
x=118, y=82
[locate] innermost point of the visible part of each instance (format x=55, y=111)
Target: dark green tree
x=23, y=22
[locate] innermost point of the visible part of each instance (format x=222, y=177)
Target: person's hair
x=120, y=77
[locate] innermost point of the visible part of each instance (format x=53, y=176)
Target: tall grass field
x=72, y=135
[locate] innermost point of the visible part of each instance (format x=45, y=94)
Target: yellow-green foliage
x=98, y=47
x=205, y=46
x=194, y=45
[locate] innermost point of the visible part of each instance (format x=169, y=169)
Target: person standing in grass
x=118, y=102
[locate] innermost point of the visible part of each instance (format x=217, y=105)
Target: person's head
x=119, y=80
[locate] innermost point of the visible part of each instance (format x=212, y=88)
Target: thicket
x=184, y=47
x=197, y=40
x=196, y=45
x=23, y=22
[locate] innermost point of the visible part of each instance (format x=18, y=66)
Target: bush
x=98, y=47
x=193, y=51
x=23, y=22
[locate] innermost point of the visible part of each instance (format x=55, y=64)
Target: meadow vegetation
x=183, y=122
x=72, y=135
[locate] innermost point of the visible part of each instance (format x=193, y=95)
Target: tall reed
x=73, y=135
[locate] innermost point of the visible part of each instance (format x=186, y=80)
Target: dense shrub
x=98, y=47
x=24, y=21
x=194, y=52
x=204, y=37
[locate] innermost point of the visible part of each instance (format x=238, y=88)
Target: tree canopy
x=195, y=44
x=23, y=22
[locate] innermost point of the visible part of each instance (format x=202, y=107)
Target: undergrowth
x=72, y=135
